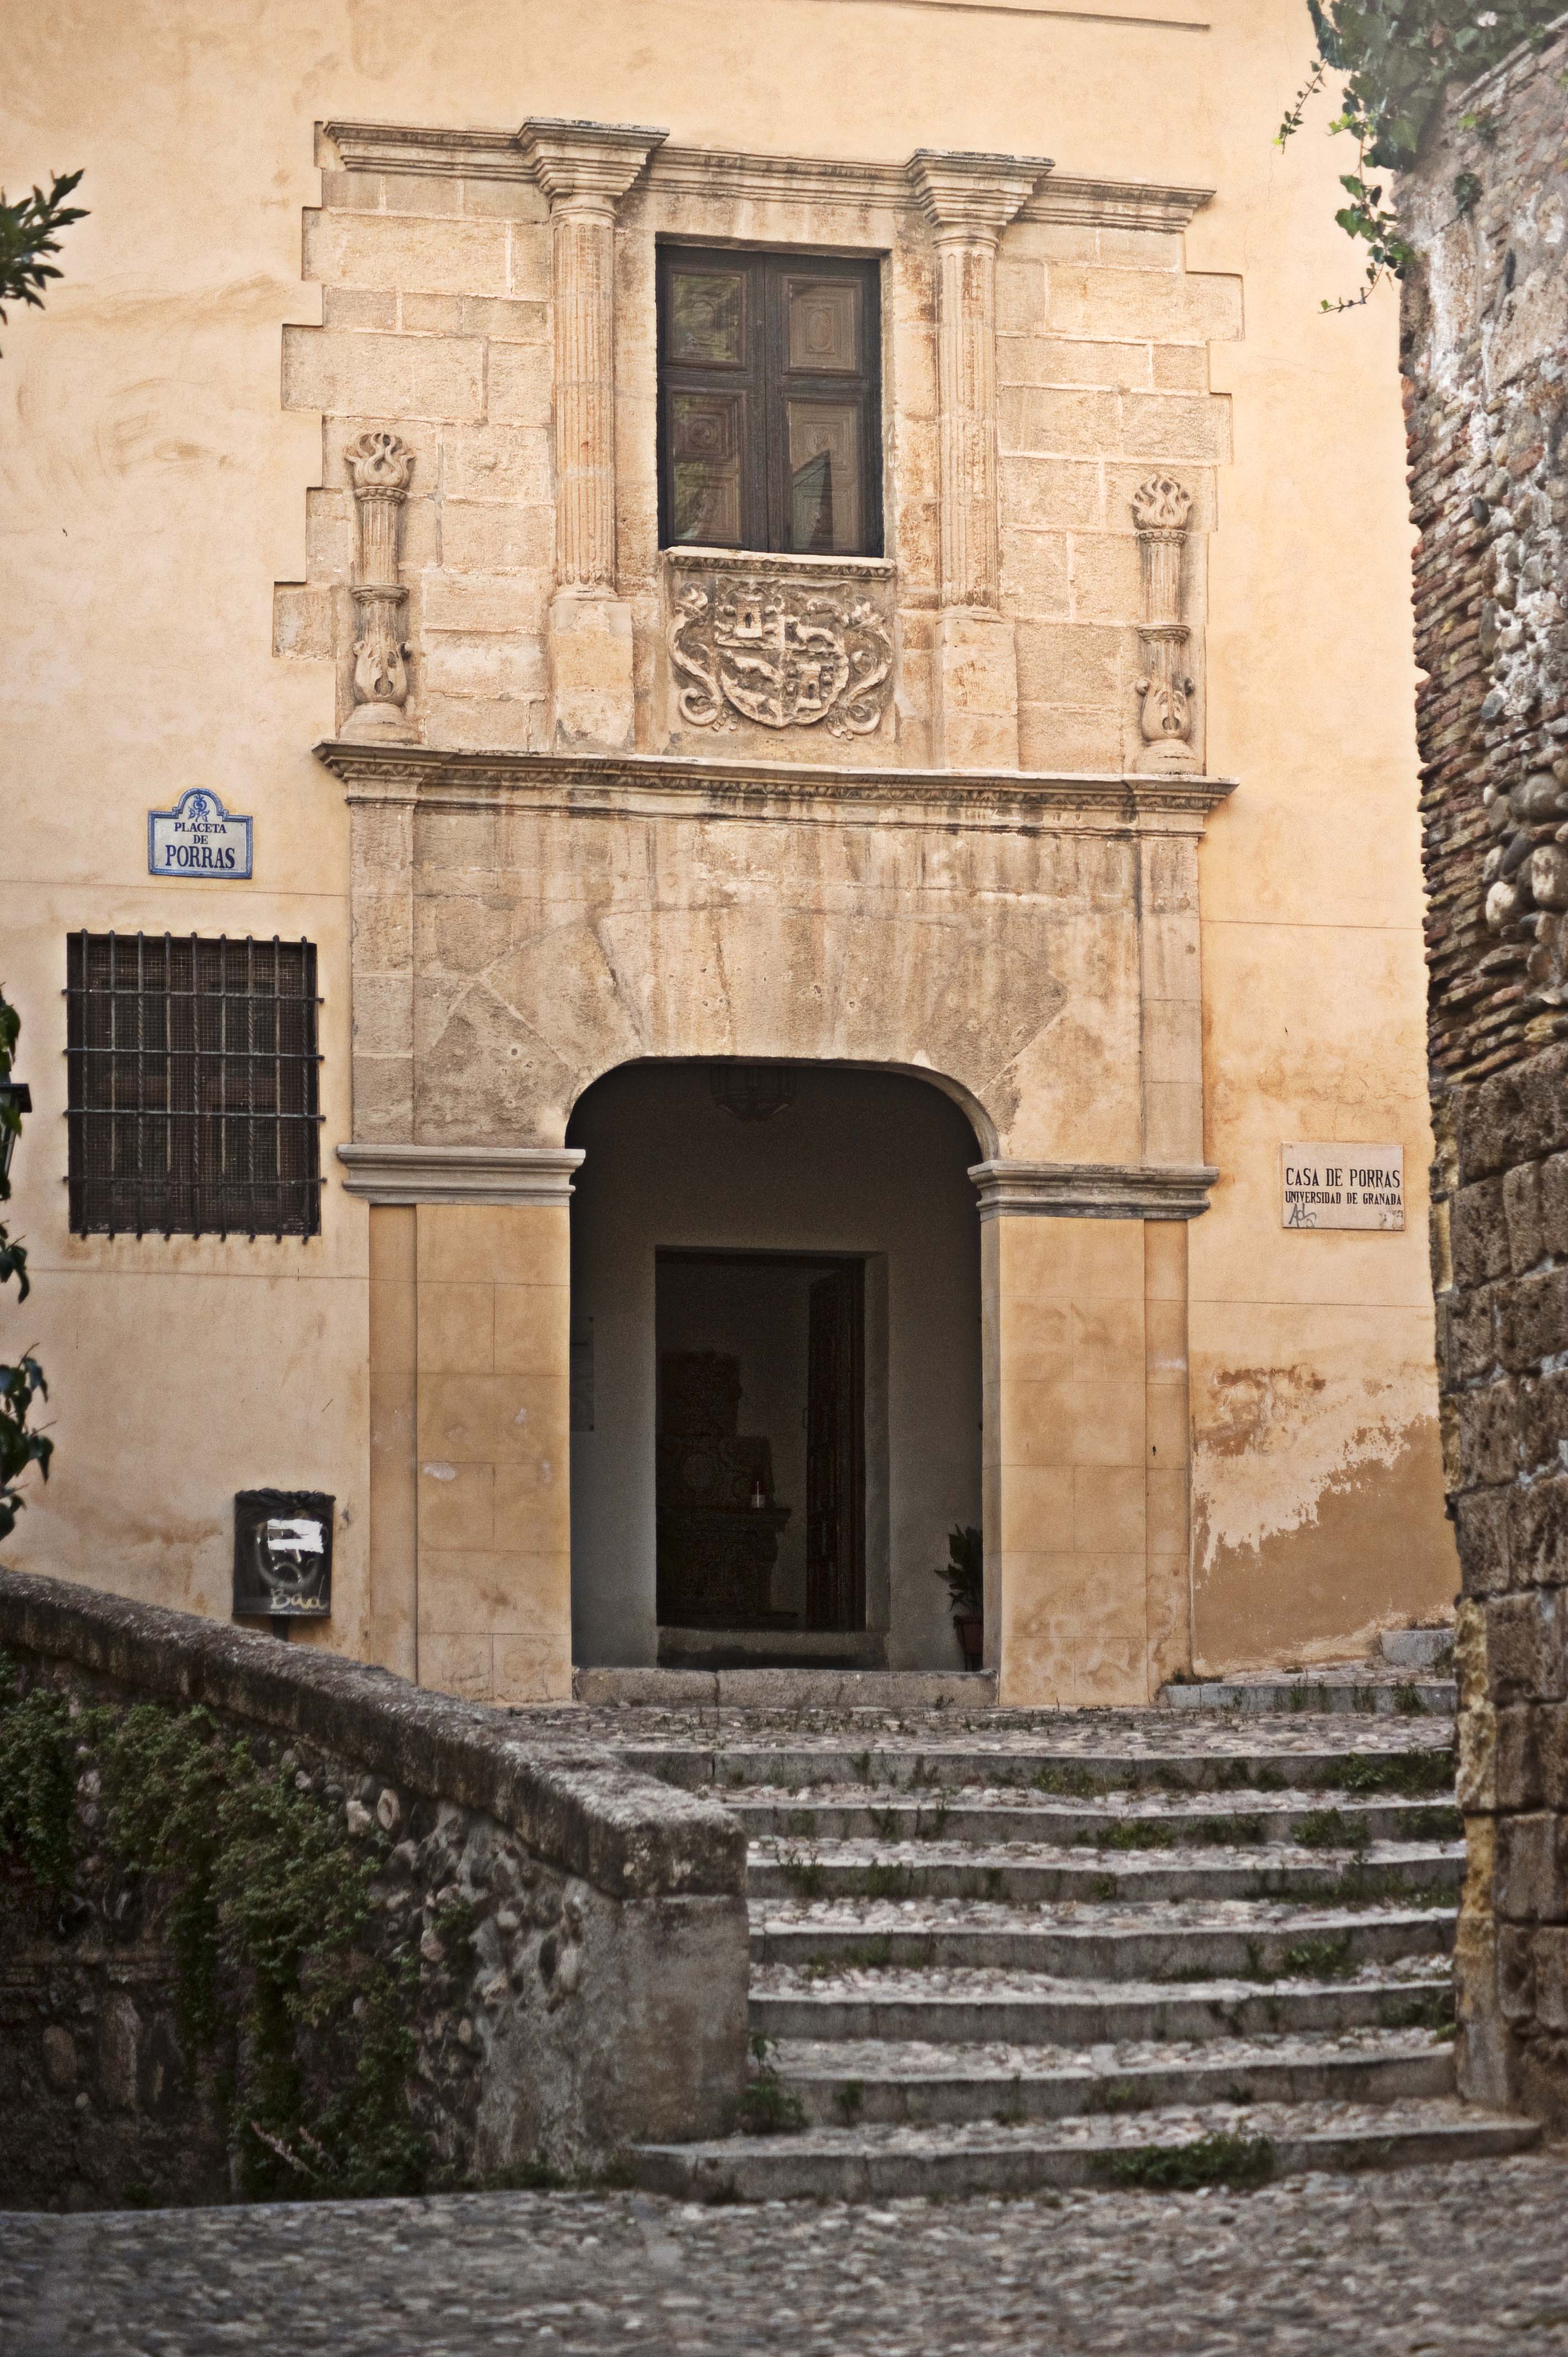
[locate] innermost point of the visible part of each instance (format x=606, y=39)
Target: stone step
x=876, y=2163
x=1400, y=1759
x=970, y=2005
x=1418, y=1648
x=984, y=1817
x=1365, y=1691
x=1025, y=1874
x=912, y=2084
x=1246, y=1938
x=793, y=1691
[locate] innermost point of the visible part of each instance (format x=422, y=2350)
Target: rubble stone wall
x=1487, y=369
x=579, y=1931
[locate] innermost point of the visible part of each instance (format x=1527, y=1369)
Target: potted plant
x=965, y=1576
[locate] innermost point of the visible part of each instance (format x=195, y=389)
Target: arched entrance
x=776, y=1409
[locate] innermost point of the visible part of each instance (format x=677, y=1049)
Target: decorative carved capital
x=379, y=463
x=460, y=1174
x=1091, y=1190
x=973, y=195
x=781, y=643
x=598, y=161
x=1162, y=504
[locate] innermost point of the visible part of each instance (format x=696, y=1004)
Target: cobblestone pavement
x=1466, y=2259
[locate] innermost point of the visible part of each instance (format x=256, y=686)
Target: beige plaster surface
x=164, y=465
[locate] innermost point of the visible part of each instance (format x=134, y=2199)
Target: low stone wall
x=574, y=1935
x=1486, y=318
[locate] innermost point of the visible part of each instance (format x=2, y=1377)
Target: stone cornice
x=651, y=785
x=586, y=159
x=1091, y=1190
x=732, y=175
x=974, y=194
x=458, y=1174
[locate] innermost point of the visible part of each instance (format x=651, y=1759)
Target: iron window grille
x=193, y=1086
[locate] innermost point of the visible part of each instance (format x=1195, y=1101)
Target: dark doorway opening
x=760, y=1486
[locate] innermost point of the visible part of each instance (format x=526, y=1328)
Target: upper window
x=767, y=403
x=192, y=1076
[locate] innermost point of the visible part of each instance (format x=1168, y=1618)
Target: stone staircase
x=997, y=1951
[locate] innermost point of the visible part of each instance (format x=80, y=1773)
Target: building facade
x=720, y=843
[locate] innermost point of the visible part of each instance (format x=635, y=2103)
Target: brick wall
x=1486, y=319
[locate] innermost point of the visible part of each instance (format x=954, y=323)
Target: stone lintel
x=460, y=1174
x=973, y=194
x=1091, y=1190
x=587, y=159
x=441, y=153
x=596, y=783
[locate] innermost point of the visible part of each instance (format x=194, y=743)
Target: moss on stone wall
x=301, y=2027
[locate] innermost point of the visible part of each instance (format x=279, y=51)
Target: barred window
x=193, y=1086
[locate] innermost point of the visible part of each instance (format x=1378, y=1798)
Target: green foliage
x=1216, y=2159
x=1398, y=58
x=22, y=1385
x=1329, y=1829
x=768, y=2107
x=37, y=1783
x=28, y=231
x=265, y=1902
x=964, y=1571
x=1413, y=1774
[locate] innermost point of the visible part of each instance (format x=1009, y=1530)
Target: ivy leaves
x=1398, y=58
x=23, y=1384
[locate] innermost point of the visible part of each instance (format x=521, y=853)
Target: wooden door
x=835, y=1451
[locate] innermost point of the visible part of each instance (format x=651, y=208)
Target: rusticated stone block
x=1524, y=1647
x=1472, y=1336
x=1549, y=1961
x=1530, y=1884
x=1550, y=1736
x=1543, y=1103
x=1537, y=1530
x=1516, y=1975
x=1555, y=1204
x=1489, y=1126
x=1542, y=1419
x=1532, y=1319
x=1521, y=1208
x=1480, y=1233
x=1488, y=1442
x=1481, y=1527
x=1517, y=1780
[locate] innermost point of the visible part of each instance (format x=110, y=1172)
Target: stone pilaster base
x=976, y=692
x=593, y=708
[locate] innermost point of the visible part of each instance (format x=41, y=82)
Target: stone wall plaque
x=198, y=837
x=1342, y=1186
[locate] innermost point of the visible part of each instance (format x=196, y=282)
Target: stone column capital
x=588, y=166
x=1091, y=1190
x=460, y=1174
x=972, y=198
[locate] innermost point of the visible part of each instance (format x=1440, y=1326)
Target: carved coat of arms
x=781, y=653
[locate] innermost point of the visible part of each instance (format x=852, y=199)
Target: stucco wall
x=157, y=488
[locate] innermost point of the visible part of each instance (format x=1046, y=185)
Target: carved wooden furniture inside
x=716, y=1545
